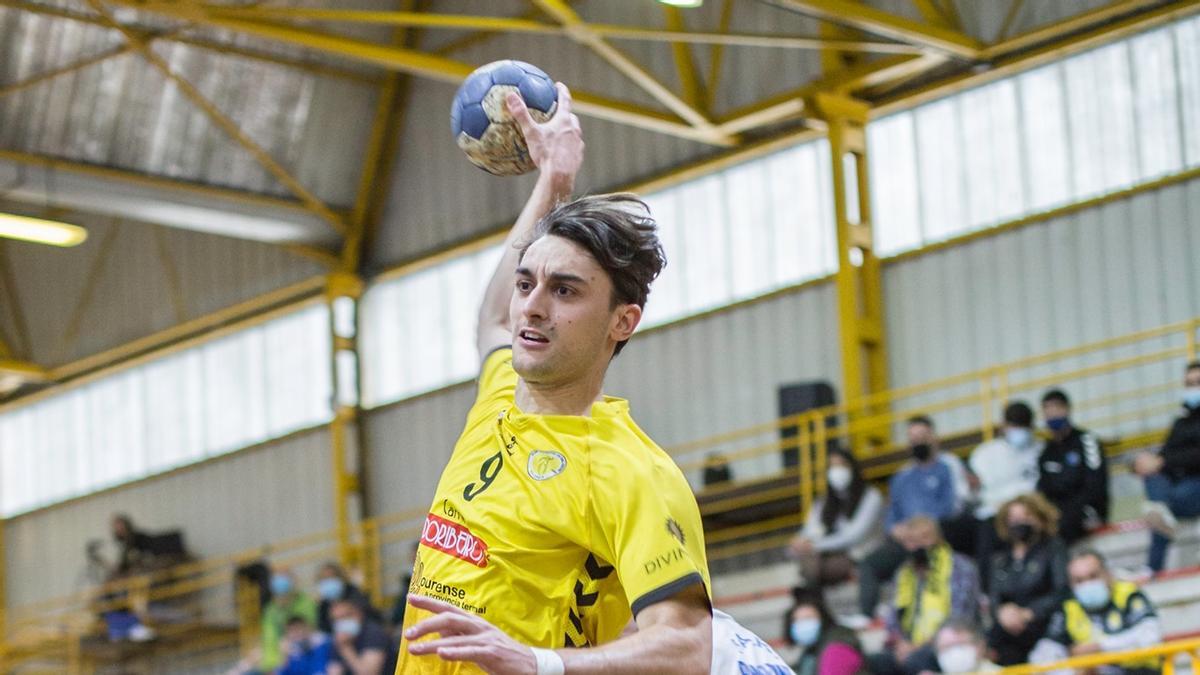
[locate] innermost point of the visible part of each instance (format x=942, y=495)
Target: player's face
x=564, y=322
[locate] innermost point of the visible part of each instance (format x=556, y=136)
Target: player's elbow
x=693, y=648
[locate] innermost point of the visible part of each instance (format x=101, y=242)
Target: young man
x=1073, y=471
x=1172, y=475
x=557, y=518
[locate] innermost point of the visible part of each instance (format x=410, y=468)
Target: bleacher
x=1124, y=390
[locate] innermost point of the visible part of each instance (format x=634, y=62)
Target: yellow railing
x=1169, y=651
x=1137, y=374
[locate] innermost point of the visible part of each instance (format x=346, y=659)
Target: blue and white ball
x=480, y=121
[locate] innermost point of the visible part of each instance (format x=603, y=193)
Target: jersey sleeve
x=497, y=383
x=646, y=522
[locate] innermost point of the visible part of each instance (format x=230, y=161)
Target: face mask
x=331, y=588
x=280, y=585
x=1018, y=437
x=1057, y=424
x=920, y=557
x=839, y=477
x=805, y=631
x=1092, y=594
x=1022, y=532
x=1191, y=397
x=349, y=627
x=959, y=659
x=922, y=451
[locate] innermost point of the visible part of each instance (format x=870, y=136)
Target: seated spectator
x=1029, y=577
x=135, y=545
x=934, y=484
x=842, y=527
x=1073, y=471
x=960, y=649
x=1172, y=476
x=401, y=601
x=935, y=586
x=287, y=601
x=825, y=647
x=1102, y=615
x=1004, y=467
x=361, y=645
x=307, y=651
x=333, y=585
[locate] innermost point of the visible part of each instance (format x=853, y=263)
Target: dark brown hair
x=618, y=232
x=1040, y=508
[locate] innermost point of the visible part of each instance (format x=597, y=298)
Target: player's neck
x=568, y=398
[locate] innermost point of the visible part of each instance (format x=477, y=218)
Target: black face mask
x=920, y=557
x=922, y=451
x=1022, y=532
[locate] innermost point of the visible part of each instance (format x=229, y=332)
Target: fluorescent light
x=682, y=3
x=41, y=231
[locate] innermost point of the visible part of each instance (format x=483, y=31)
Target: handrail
x=1170, y=650
x=971, y=398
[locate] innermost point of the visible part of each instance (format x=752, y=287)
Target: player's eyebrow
x=561, y=277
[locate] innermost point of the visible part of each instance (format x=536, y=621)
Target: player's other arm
x=674, y=637
x=556, y=147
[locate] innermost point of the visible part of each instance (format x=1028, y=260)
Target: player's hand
x=467, y=637
x=556, y=146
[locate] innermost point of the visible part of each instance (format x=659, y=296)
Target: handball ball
x=480, y=121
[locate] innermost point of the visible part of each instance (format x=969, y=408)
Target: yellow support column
x=859, y=285
x=342, y=293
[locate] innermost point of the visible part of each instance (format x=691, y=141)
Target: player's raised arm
x=556, y=147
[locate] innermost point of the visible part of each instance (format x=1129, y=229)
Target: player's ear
x=626, y=318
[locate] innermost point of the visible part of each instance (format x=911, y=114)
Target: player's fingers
x=432, y=646
x=564, y=98
x=434, y=605
x=519, y=111
x=443, y=624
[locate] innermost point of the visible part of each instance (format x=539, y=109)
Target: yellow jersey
x=555, y=528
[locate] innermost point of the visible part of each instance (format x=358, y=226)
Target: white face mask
x=839, y=477
x=959, y=659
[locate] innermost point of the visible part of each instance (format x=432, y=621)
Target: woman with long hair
x=842, y=527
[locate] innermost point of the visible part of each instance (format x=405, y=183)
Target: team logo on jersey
x=546, y=464
x=675, y=530
x=454, y=539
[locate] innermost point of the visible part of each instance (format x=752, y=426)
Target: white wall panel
x=266, y=494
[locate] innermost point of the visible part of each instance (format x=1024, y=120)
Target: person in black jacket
x=1073, y=473
x=1029, y=577
x=1172, y=475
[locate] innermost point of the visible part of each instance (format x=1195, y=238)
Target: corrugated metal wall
x=267, y=494
x=132, y=295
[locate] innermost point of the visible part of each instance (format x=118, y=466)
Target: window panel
x=1044, y=130
x=895, y=208
x=1187, y=48
x=940, y=170
x=1156, y=99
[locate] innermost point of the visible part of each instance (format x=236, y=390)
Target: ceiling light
x=682, y=3
x=41, y=231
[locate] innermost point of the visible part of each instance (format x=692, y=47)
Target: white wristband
x=548, y=662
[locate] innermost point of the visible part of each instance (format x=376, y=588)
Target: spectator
x=1029, y=577
x=1172, y=476
x=936, y=585
x=933, y=484
x=960, y=649
x=136, y=546
x=825, y=647
x=402, y=598
x=1004, y=467
x=1073, y=471
x=286, y=601
x=333, y=585
x=842, y=527
x=361, y=645
x=1102, y=615
x=307, y=651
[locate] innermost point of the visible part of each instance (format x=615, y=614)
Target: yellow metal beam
x=499, y=24
x=581, y=33
x=879, y=22
x=76, y=66
x=685, y=63
x=1096, y=17
x=437, y=68
x=716, y=57
x=200, y=43
x=70, y=333
x=223, y=121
